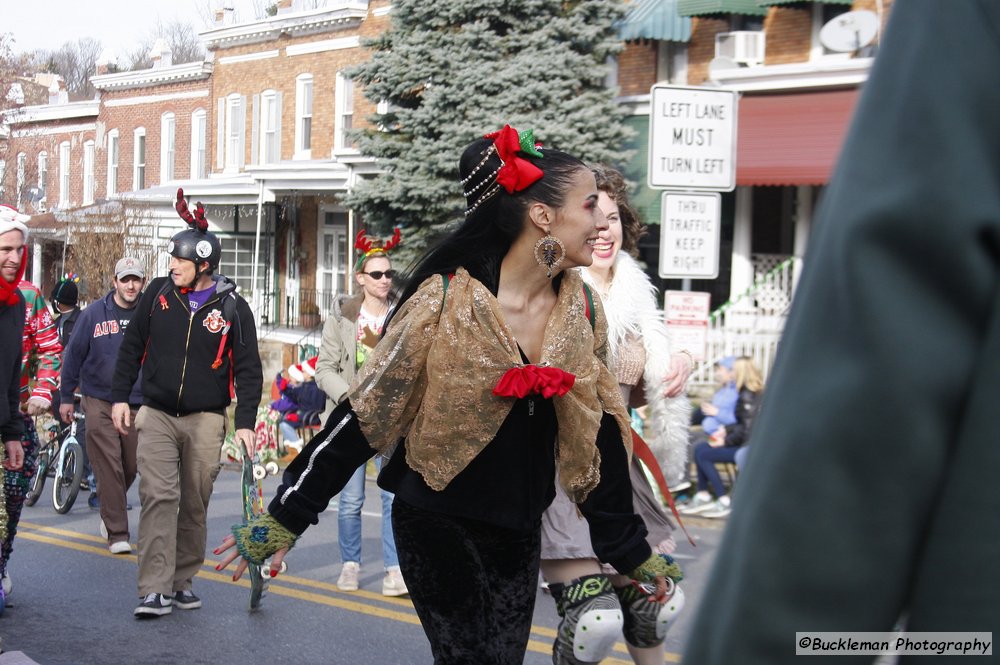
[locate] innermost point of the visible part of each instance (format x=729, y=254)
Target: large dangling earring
x=549, y=252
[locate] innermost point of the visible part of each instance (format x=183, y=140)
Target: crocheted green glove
x=261, y=538
x=657, y=565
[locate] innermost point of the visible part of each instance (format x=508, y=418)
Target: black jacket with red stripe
x=192, y=361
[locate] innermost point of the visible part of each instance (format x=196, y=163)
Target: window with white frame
x=139, y=159
x=236, y=262
x=22, y=168
x=303, y=115
x=89, y=155
x=64, y=174
x=43, y=176
x=113, y=147
x=344, y=105
x=168, y=127
x=234, y=132
x=270, y=127
x=199, y=136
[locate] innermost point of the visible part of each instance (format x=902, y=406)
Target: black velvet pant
x=473, y=584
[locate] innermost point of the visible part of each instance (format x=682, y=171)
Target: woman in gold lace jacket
x=491, y=374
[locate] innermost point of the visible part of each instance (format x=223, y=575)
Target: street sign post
x=686, y=313
x=689, y=235
x=692, y=138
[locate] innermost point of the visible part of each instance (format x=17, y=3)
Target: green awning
x=769, y=3
x=703, y=7
x=655, y=19
x=646, y=201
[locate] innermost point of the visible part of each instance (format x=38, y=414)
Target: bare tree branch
x=182, y=38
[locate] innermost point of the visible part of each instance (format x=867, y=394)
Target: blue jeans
x=288, y=433
x=349, y=504
x=705, y=457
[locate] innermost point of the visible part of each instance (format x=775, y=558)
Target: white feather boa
x=630, y=307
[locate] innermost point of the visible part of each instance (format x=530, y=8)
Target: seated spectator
x=724, y=443
x=301, y=402
x=721, y=410
x=709, y=416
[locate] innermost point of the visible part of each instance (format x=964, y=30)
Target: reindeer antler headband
x=368, y=247
x=197, y=220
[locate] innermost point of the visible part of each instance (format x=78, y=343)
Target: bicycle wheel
x=38, y=480
x=68, y=474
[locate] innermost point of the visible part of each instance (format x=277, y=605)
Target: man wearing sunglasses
x=350, y=333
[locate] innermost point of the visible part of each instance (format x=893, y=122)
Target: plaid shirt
x=42, y=351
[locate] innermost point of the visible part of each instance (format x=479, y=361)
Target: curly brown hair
x=612, y=183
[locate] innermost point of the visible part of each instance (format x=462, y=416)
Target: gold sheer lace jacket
x=430, y=380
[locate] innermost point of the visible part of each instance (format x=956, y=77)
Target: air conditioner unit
x=744, y=46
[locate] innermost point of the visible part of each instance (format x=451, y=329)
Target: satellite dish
x=849, y=31
x=720, y=64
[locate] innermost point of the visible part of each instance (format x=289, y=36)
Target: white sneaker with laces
x=348, y=580
x=393, y=583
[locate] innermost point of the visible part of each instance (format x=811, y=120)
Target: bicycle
x=61, y=456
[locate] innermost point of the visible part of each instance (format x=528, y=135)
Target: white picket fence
x=751, y=323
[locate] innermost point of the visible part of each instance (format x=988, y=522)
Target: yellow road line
x=36, y=532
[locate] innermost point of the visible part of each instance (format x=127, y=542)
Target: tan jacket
x=335, y=366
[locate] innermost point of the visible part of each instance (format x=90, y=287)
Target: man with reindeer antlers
x=195, y=340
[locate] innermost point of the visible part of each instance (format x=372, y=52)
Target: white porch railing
x=751, y=323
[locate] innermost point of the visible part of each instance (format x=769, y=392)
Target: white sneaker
x=120, y=547
x=104, y=530
x=348, y=580
x=6, y=583
x=393, y=584
x=699, y=504
x=720, y=508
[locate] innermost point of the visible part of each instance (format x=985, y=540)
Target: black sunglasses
x=379, y=274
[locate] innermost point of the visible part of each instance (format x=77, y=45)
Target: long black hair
x=492, y=222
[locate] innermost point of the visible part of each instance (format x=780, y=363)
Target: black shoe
x=154, y=605
x=93, y=501
x=186, y=600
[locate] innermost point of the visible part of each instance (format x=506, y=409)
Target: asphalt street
x=73, y=600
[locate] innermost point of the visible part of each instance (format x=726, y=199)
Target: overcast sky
x=117, y=24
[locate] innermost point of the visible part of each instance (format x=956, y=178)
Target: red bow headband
x=369, y=247
x=197, y=220
x=515, y=173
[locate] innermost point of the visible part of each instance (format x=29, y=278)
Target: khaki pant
x=178, y=463
x=112, y=457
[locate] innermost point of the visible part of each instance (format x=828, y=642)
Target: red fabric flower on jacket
x=534, y=380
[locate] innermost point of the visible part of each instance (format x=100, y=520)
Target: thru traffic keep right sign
x=689, y=235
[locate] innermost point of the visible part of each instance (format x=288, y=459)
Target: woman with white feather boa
x=649, y=371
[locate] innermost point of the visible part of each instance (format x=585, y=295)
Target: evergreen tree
x=452, y=71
